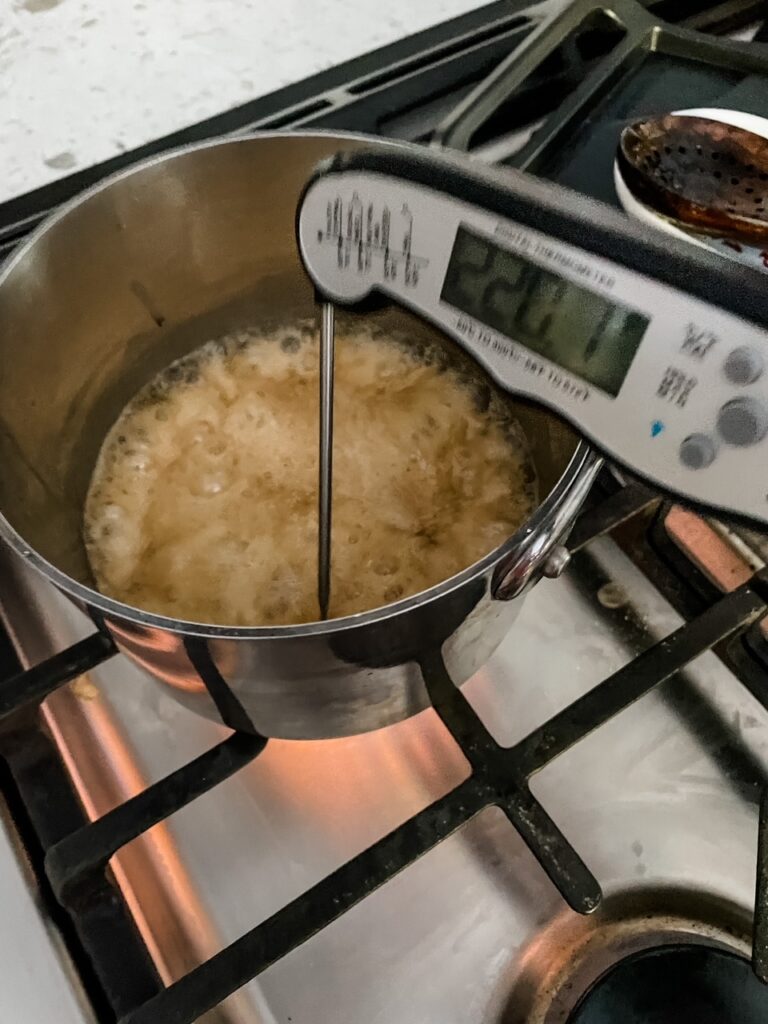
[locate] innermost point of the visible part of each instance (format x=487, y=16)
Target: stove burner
x=670, y=984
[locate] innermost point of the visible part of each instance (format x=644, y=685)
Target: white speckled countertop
x=85, y=79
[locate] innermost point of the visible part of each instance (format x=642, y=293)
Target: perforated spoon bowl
x=701, y=175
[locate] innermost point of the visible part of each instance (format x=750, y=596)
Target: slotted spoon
x=703, y=174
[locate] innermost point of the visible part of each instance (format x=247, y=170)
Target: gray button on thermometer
x=744, y=365
x=563, y=302
x=743, y=422
x=698, y=451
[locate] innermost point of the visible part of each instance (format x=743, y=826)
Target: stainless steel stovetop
x=660, y=802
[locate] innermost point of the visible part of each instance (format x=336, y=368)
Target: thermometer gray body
x=643, y=346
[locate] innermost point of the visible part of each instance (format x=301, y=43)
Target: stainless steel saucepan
x=134, y=274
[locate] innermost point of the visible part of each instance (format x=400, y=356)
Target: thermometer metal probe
x=325, y=459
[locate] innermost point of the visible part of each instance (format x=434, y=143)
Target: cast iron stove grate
x=596, y=66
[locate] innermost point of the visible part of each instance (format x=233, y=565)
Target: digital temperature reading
x=574, y=327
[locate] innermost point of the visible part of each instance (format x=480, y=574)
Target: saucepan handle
x=541, y=549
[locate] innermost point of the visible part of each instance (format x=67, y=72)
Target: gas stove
x=577, y=827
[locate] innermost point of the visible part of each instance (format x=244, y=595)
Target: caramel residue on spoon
x=700, y=173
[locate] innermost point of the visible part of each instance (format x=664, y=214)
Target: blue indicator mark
x=656, y=428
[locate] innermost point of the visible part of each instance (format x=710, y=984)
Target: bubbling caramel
x=203, y=501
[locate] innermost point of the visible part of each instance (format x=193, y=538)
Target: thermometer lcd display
x=574, y=327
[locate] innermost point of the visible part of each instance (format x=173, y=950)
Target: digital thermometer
x=656, y=351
